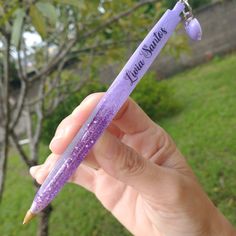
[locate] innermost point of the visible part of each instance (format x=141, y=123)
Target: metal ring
x=187, y=14
x=187, y=5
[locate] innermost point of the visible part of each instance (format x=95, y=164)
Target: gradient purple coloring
x=108, y=106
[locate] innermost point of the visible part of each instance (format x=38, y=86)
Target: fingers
x=40, y=172
x=71, y=124
x=130, y=119
x=63, y=136
x=124, y=164
x=116, y=158
x=83, y=177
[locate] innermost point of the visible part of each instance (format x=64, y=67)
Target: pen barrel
x=107, y=108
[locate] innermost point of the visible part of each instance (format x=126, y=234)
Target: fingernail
x=76, y=110
x=40, y=177
x=59, y=134
x=87, y=98
x=32, y=170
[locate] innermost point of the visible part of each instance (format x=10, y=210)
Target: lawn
x=204, y=130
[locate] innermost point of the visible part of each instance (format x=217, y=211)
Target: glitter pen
x=112, y=101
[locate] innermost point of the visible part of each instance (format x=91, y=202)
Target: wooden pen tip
x=28, y=217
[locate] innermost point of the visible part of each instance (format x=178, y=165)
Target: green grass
x=76, y=212
x=204, y=130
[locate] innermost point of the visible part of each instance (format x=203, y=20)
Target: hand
x=139, y=175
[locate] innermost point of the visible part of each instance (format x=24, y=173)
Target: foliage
x=59, y=21
x=156, y=97
x=56, y=20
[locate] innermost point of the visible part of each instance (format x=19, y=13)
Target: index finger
x=130, y=119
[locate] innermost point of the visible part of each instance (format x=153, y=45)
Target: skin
x=138, y=174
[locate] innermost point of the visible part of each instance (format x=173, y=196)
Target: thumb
x=123, y=163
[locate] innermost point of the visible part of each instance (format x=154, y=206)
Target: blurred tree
x=76, y=36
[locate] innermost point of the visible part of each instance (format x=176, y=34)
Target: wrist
x=220, y=226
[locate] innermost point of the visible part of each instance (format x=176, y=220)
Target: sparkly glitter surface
x=106, y=109
x=70, y=161
x=78, y=149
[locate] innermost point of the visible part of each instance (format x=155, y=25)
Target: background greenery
x=204, y=130
x=156, y=99
x=194, y=3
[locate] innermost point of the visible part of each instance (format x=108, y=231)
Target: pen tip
x=28, y=217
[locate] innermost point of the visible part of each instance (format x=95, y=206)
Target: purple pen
x=110, y=104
